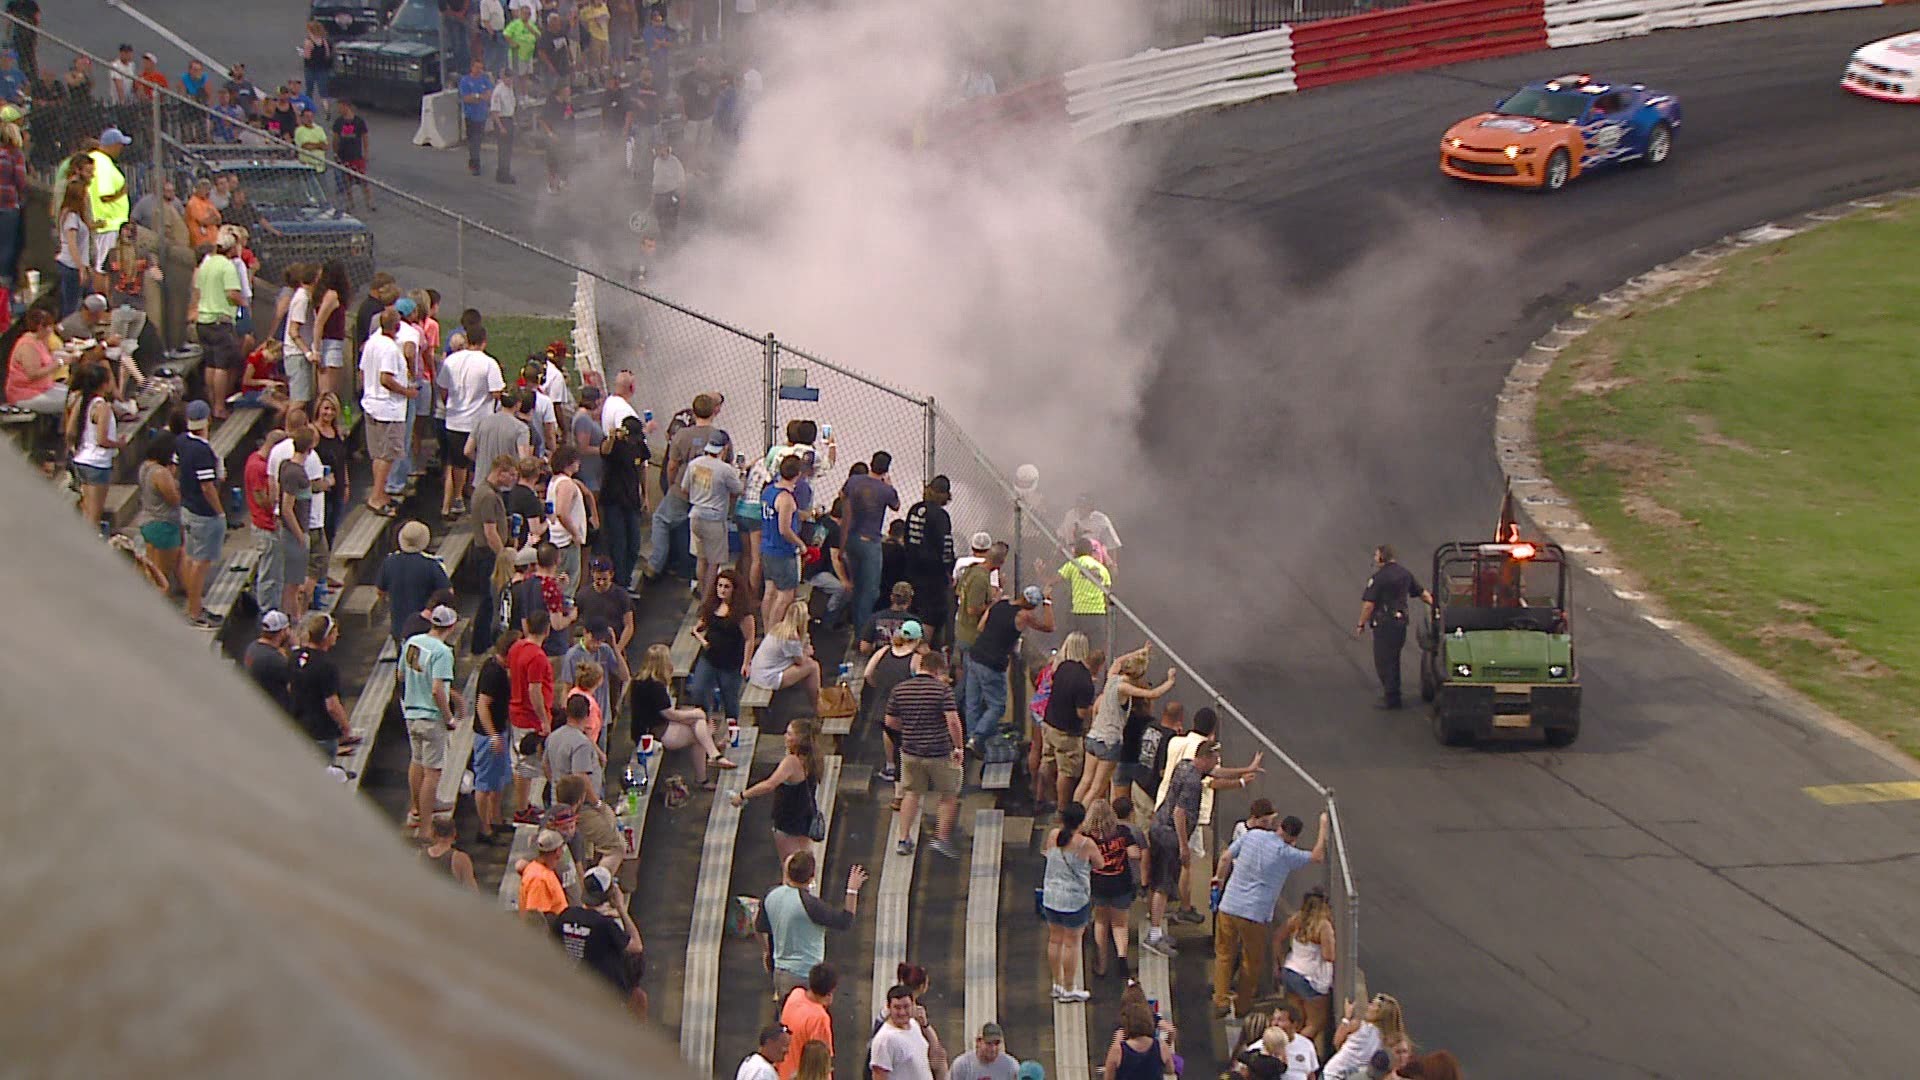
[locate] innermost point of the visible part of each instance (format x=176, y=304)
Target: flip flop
x=721, y=763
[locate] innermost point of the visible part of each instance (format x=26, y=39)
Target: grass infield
x=1751, y=449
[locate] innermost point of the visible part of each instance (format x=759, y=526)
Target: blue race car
x=1549, y=132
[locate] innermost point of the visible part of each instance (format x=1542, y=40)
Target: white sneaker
x=1059, y=992
x=1077, y=995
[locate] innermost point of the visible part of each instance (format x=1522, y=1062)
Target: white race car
x=1888, y=69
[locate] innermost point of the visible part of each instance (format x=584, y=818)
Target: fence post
x=931, y=460
x=159, y=150
x=1019, y=528
x=156, y=177
x=460, y=257
x=772, y=390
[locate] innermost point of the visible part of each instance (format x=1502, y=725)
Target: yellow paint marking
x=1849, y=794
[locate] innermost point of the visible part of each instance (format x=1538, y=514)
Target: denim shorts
x=782, y=571
x=1105, y=751
x=97, y=475
x=1296, y=984
x=333, y=353
x=491, y=771
x=1072, y=920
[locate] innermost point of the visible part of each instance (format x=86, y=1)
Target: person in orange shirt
x=203, y=218
x=805, y=1015
x=151, y=74
x=540, y=893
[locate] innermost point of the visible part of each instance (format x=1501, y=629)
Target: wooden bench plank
x=459, y=745
x=1070, y=1058
x=837, y=726
x=825, y=795
x=983, y=920
x=755, y=697
x=369, y=709
x=358, y=536
x=234, y=430
x=996, y=776
x=633, y=827
x=890, y=912
x=686, y=648
x=710, y=900
x=232, y=579
x=121, y=503
x=453, y=550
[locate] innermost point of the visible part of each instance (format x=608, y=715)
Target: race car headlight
x=1465, y=671
x=1557, y=671
x=1512, y=152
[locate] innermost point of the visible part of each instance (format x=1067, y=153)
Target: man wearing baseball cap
x=988, y=1060
x=599, y=934
x=541, y=896
x=203, y=517
x=428, y=701
x=994, y=648
x=214, y=300
x=108, y=195
x=712, y=486
x=266, y=657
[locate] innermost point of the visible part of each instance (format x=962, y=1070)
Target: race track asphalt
x=1661, y=899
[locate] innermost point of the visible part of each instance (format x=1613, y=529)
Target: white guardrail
x=1583, y=22
x=586, y=331
x=1167, y=82
x=1160, y=83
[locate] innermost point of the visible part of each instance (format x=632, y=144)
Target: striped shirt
x=919, y=706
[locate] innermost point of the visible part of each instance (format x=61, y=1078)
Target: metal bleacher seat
x=983, y=920
x=826, y=794
x=890, y=911
x=710, y=899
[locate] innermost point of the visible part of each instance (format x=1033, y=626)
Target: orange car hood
x=1489, y=129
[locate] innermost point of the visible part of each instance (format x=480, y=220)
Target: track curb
x=1554, y=513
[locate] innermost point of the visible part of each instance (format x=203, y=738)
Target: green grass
x=512, y=338
x=1752, y=450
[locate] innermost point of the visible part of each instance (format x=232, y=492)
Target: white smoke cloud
x=996, y=273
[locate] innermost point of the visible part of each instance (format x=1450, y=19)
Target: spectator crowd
x=577, y=501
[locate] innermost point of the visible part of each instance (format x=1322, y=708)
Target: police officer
x=1383, y=606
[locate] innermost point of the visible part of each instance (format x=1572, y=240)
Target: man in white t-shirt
x=619, y=404
x=1284, y=1041
x=1083, y=518
x=473, y=384
x=760, y=1065
x=386, y=387
x=903, y=1049
x=412, y=340
x=123, y=76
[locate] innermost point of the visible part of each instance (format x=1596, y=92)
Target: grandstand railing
x=677, y=352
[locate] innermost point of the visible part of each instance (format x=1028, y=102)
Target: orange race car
x=1549, y=132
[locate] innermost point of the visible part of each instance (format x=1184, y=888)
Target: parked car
x=346, y=20
x=393, y=67
x=298, y=218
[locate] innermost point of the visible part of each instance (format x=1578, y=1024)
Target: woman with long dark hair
x=1066, y=895
x=329, y=327
x=73, y=245
x=92, y=432
x=725, y=634
x=791, y=784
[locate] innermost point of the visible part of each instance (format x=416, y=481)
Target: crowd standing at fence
x=553, y=479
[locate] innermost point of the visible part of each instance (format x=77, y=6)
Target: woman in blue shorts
x=1066, y=899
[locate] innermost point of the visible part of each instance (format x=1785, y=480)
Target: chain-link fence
x=1190, y=20
x=303, y=208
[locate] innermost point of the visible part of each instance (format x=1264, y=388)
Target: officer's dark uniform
x=1388, y=590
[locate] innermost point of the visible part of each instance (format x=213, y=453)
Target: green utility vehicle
x=1496, y=655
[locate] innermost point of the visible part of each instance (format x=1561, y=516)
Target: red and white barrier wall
x=1225, y=71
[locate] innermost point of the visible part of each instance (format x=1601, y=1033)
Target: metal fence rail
x=675, y=353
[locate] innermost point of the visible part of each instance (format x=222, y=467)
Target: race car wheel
x=1559, y=169
x=1659, y=145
